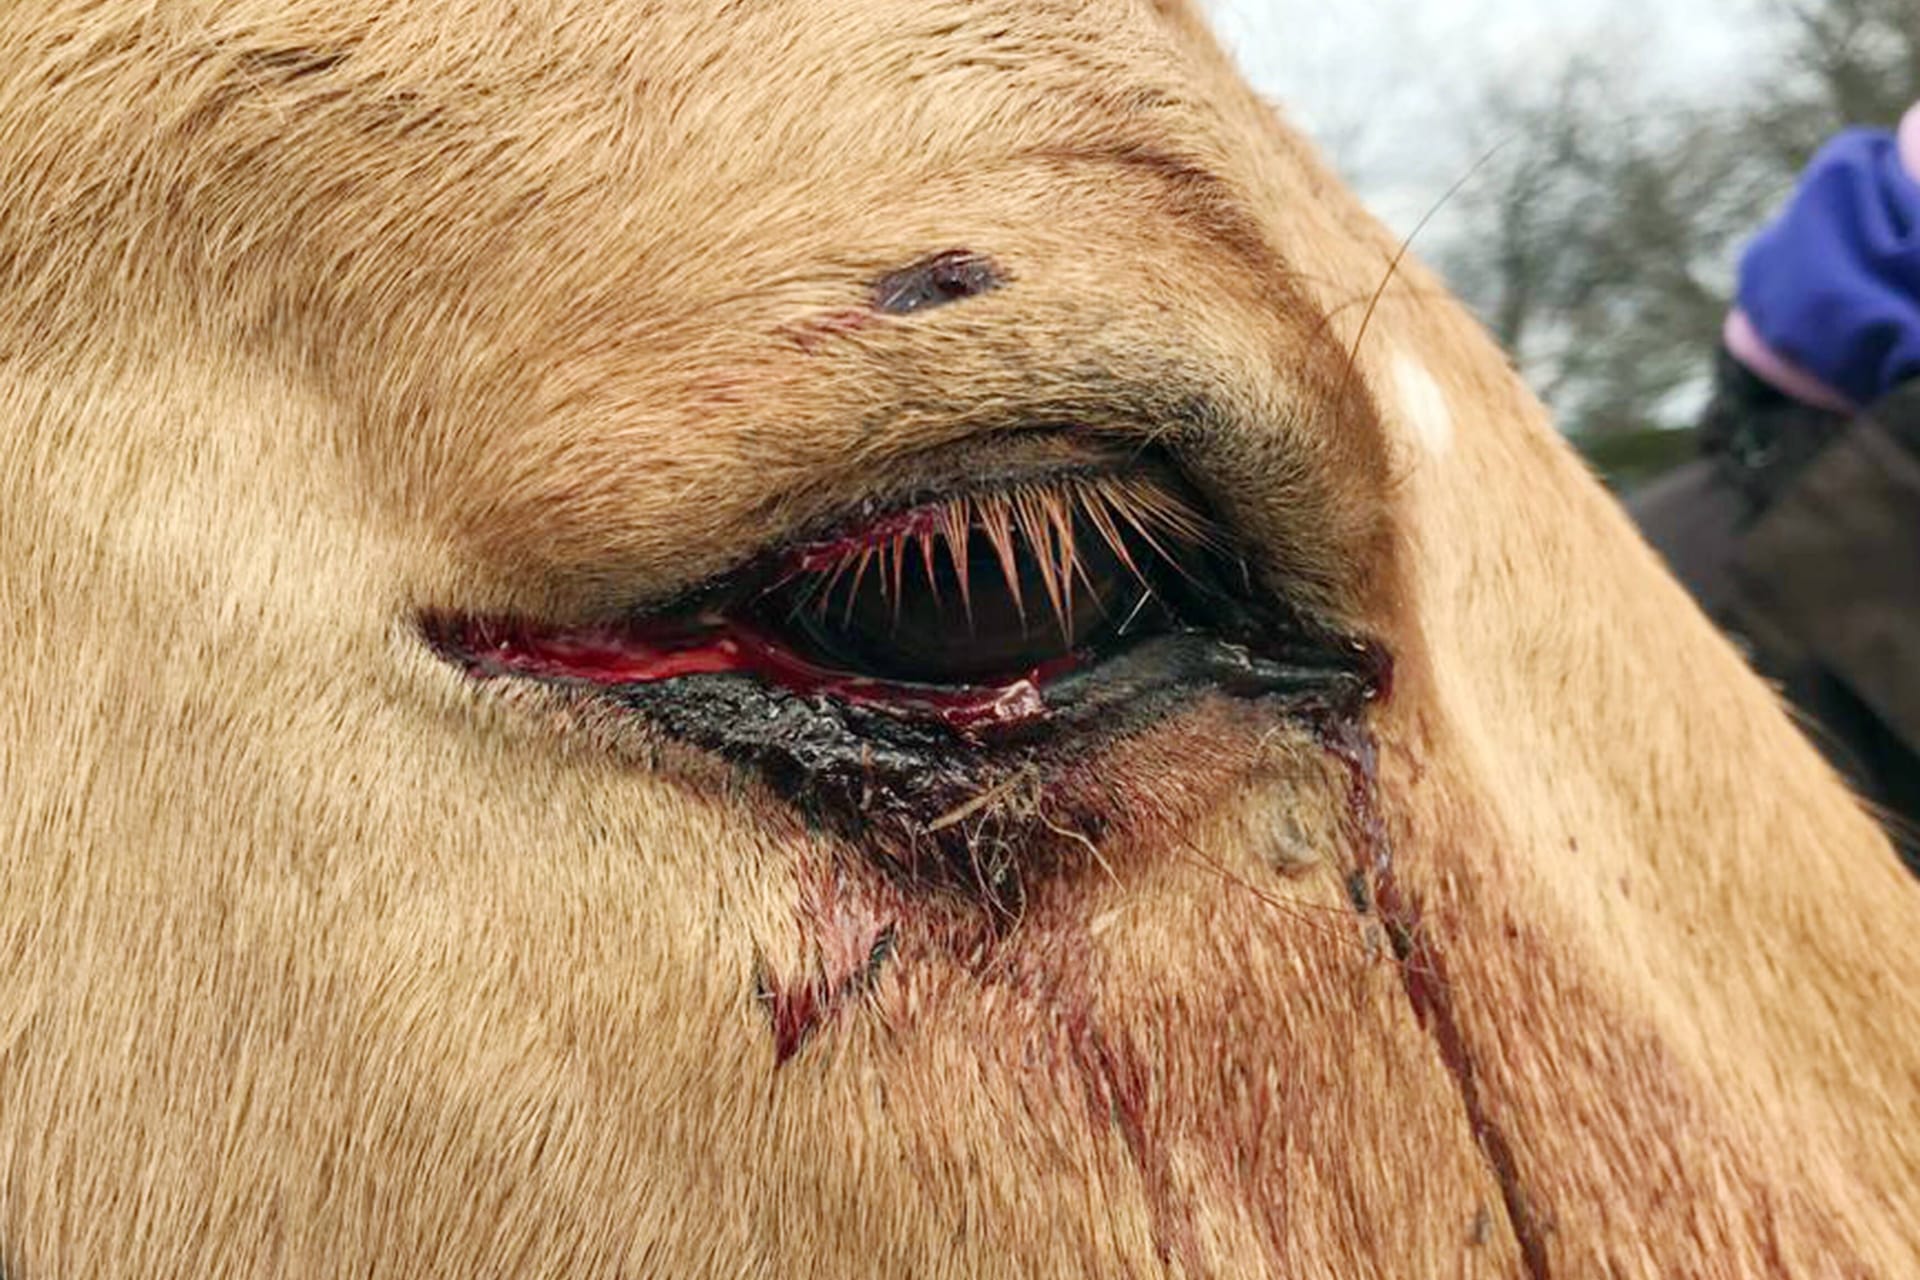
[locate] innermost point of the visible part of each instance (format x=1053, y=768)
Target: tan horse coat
x=317, y=958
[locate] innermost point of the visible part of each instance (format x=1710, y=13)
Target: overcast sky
x=1384, y=84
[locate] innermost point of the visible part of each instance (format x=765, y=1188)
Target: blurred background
x=1610, y=161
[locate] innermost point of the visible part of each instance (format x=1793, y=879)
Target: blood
x=1422, y=965
x=936, y=281
x=794, y=1011
x=933, y=281
x=833, y=553
x=643, y=653
x=850, y=939
x=810, y=334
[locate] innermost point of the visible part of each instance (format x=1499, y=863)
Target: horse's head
x=806, y=639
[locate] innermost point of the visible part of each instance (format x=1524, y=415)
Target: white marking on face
x=1423, y=405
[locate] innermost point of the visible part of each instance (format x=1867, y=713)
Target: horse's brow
x=1205, y=198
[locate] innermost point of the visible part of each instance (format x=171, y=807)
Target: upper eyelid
x=599, y=556
x=1042, y=518
x=771, y=562
x=1116, y=420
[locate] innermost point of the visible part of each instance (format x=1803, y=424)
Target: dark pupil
x=896, y=620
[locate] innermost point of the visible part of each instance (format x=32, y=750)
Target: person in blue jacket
x=1799, y=528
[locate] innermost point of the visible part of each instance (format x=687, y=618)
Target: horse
x=880, y=637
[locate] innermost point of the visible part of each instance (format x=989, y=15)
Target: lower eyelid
x=1031, y=794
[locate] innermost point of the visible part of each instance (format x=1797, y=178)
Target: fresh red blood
x=821, y=557
x=639, y=654
x=1423, y=966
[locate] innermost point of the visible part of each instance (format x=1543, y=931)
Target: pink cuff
x=1751, y=350
x=1910, y=142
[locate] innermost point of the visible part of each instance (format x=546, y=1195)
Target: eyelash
x=993, y=587
x=1039, y=517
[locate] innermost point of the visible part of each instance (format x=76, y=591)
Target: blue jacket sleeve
x=1833, y=284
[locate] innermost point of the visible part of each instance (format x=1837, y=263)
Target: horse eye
x=986, y=588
